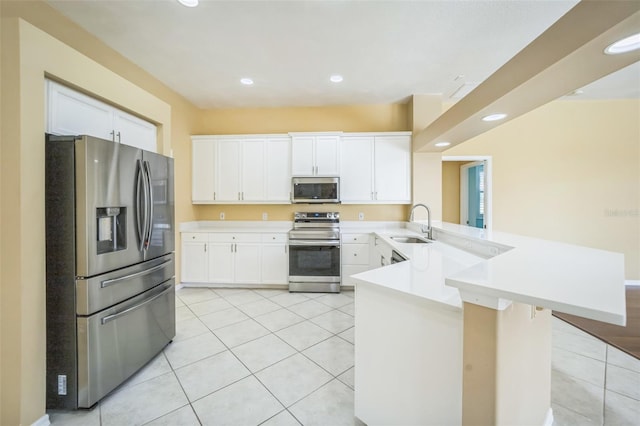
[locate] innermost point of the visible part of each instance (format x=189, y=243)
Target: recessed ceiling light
x=246, y=81
x=441, y=144
x=494, y=117
x=189, y=3
x=625, y=45
x=576, y=92
x=336, y=78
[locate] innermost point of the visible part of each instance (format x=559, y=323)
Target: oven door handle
x=318, y=243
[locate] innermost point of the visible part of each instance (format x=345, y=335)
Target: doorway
x=466, y=190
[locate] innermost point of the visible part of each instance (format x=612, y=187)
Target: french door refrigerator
x=110, y=295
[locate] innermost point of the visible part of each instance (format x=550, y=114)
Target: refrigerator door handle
x=117, y=315
x=149, y=209
x=140, y=204
x=107, y=283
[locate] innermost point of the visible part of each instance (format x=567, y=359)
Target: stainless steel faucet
x=428, y=231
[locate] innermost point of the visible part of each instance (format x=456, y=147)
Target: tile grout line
x=333, y=377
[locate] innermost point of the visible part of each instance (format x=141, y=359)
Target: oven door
x=314, y=261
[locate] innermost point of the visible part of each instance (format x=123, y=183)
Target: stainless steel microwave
x=315, y=190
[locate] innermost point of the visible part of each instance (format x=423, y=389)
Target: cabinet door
x=247, y=263
x=227, y=170
x=327, y=155
x=252, y=165
x=73, y=113
x=131, y=130
x=202, y=171
x=302, y=163
x=393, y=169
x=356, y=164
x=275, y=264
x=278, y=173
x=194, y=262
x=221, y=263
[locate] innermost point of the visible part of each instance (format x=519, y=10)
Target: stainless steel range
x=314, y=252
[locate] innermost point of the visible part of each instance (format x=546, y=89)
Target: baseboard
x=632, y=283
x=42, y=421
x=548, y=421
x=179, y=286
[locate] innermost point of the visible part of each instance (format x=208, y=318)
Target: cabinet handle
x=113, y=135
x=372, y=196
x=205, y=248
x=376, y=195
x=119, y=139
x=231, y=248
x=285, y=248
x=238, y=196
x=214, y=196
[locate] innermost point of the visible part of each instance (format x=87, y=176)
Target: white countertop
x=249, y=226
x=567, y=278
x=482, y=267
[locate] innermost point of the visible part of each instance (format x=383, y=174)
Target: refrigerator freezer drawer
x=97, y=293
x=117, y=342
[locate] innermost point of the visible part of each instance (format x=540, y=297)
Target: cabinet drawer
x=274, y=238
x=201, y=237
x=355, y=254
x=224, y=237
x=355, y=238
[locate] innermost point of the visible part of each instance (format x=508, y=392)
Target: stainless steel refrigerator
x=110, y=295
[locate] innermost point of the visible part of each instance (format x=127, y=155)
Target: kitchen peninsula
x=466, y=325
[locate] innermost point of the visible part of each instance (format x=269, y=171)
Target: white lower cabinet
x=381, y=253
x=355, y=257
x=195, y=260
x=275, y=259
x=234, y=258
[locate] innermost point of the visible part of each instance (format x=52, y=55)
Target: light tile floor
x=269, y=357
x=242, y=357
x=592, y=383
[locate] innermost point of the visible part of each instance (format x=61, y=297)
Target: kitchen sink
x=410, y=240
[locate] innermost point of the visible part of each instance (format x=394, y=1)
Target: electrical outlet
x=265, y=216
x=221, y=215
x=360, y=216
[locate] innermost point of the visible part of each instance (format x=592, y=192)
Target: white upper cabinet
x=392, y=167
x=315, y=154
x=73, y=113
x=253, y=166
x=376, y=168
x=278, y=170
x=131, y=130
x=356, y=176
x=241, y=169
x=203, y=176
x=227, y=167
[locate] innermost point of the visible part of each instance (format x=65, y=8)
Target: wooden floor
x=626, y=338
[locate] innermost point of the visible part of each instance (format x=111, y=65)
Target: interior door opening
x=466, y=191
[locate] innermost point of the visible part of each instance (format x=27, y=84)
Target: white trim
x=179, y=286
x=548, y=420
x=488, y=175
x=42, y=421
x=632, y=283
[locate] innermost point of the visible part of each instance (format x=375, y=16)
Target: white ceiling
x=386, y=50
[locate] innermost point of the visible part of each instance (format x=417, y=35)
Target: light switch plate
x=221, y=215
x=265, y=216
x=360, y=216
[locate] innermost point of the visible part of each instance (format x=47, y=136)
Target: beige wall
x=451, y=191
x=28, y=54
x=569, y=171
